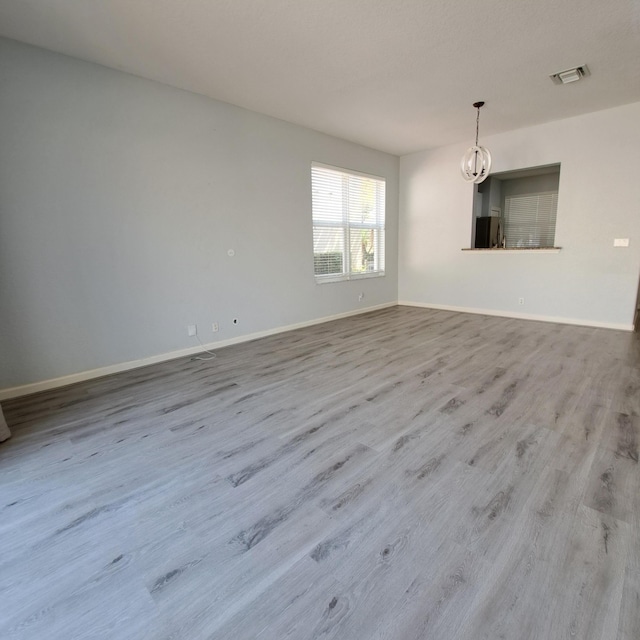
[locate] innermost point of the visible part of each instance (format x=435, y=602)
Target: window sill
x=517, y=250
x=353, y=276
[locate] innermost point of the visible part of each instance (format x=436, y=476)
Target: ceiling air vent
x=570, y=75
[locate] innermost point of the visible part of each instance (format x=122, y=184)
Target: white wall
x=588, y=281
x=119, y=198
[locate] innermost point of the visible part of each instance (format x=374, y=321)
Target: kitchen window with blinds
x=348, y=211
x=530, y=220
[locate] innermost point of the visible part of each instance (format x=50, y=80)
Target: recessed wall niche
x=516, y=209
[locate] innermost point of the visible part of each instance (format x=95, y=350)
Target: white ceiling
x=395, y=75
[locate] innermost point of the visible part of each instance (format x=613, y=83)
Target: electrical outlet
x=621, y=242
x=192, y=330
x=215, y=327
x=520, y=300
x=360, y=297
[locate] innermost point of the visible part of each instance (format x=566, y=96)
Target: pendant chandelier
x=476, y=162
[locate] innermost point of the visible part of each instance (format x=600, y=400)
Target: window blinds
x=530, y=220
x=348, y=223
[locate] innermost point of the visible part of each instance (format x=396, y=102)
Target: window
x=517, y=209
x=348, y=224
x=530, y=220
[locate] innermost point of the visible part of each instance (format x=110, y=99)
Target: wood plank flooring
x=404, y=474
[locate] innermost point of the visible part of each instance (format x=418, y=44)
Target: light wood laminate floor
x=405, y=474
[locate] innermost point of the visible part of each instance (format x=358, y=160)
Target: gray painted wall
x=588, y=281
x=119, y=199
x=491, y=190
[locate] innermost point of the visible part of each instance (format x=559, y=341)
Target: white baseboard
x=63, y=381
x=521, y=316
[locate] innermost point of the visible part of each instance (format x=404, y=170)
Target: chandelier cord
x=477, y=124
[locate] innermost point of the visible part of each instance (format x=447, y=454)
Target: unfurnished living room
x=319, y=320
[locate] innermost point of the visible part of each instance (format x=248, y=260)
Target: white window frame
x=349, y=224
